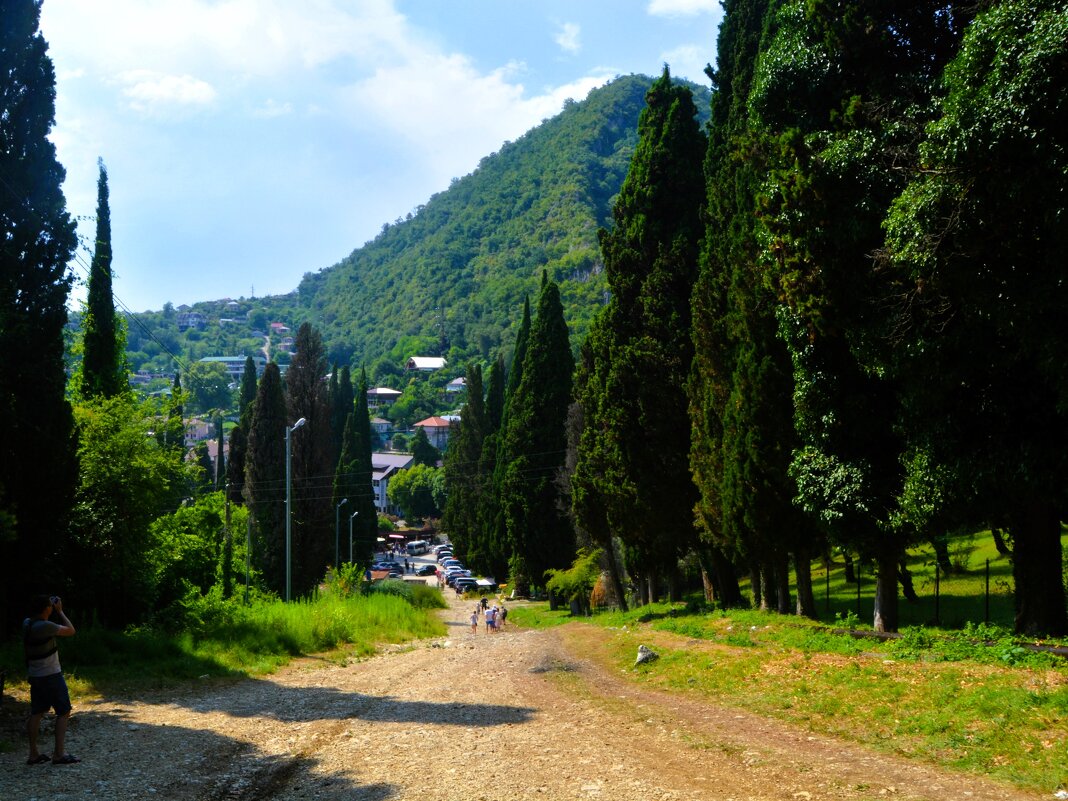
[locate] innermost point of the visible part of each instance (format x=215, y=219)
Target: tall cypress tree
x=38, y=470
x=235, y=466
x=265, y=478
x=839, y=129
x=365, y=527
x=535, y=443
x=462, y=484
x=104, y=360
x=313, y=460
x=977, y=242
x=637, y=430
x=492, y=524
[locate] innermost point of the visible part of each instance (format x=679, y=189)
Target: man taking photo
x=48, y=689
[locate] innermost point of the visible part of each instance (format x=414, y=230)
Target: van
x=416, y=547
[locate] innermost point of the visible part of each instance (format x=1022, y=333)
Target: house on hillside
x=425, y=364
x=437, y=431
x=235, y=365
x=383, y=467
x=456, y=385
x=381, y=396
x=194, y=320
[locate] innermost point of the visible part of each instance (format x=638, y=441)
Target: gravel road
x=474, y=717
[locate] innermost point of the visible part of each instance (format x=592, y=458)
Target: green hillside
x=450, y=279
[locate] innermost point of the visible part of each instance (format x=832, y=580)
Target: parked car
x=426, y=570
x=465, y=583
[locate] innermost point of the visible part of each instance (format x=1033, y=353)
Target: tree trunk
x=782, y=585
x=643, y=590
x=709, y=587
x=905, y=578
x=999, y=542
x=850, y=574
x=1036, y=569
x=724, y=580
x=806, y=601
x=754, y=584
x=767, y=587
x=613, y=574
x=654, y=587
x=941, y=548
x=886, y=591
x=674, y=586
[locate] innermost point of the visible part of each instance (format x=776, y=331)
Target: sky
x=248, y=142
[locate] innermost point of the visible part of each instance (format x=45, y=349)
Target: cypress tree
x=235, y=466
x=345, y=477
x=174, y=429
x=103, y=361
x=637, y=429
x=535, y=443
x=313, y=460
x=422, y=451
x=741, y=385
x=38, y=469
x=462, y=484
x=492, y=524
x=977, y=243
x=218, y=478
x=839, y=130
x=365, y=526
x=265, y=479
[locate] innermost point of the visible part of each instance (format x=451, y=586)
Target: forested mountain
x=451, y=277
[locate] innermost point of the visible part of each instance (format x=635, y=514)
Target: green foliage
x=534, y=444
x=37, y=241
x=126, y=481
x=422, y=451
x=413, y=490
x=103, y=368
x=632, y=474
x=976, y=242
x=215, y=636
x=576, y=583
x=208, y=385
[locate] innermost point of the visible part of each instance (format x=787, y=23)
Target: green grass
x=952, y=699
x=232, y=639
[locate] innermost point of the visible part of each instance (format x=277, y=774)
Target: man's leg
x=33, y=726
x=61, y=735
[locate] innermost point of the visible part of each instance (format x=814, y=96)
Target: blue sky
x=251, y=141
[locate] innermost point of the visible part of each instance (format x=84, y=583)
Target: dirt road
x=477, y=717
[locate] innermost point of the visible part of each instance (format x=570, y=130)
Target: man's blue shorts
x=49, y=692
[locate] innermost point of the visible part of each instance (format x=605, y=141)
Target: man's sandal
x=37, y=760
x=66, y=759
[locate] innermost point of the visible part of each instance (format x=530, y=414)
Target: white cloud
x=159, y=95
x=568, y=37
x=682, y=8
x=272, y=108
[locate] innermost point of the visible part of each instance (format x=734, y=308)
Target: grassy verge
x=988, y=709
x=232, y=639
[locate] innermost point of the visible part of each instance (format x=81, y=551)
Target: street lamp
x=350, y=534
x=337, y=533
x=289, y=506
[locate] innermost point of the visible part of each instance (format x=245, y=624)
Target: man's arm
x=66, y=628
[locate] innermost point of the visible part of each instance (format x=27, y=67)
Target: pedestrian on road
x=474, y=622
x=490, y=614
x=48, y=688
x=502, y=617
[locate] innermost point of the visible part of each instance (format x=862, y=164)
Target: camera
x=54, y=599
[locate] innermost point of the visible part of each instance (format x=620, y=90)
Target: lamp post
x=337, y=533
x=350, y=534
x=289, y=506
